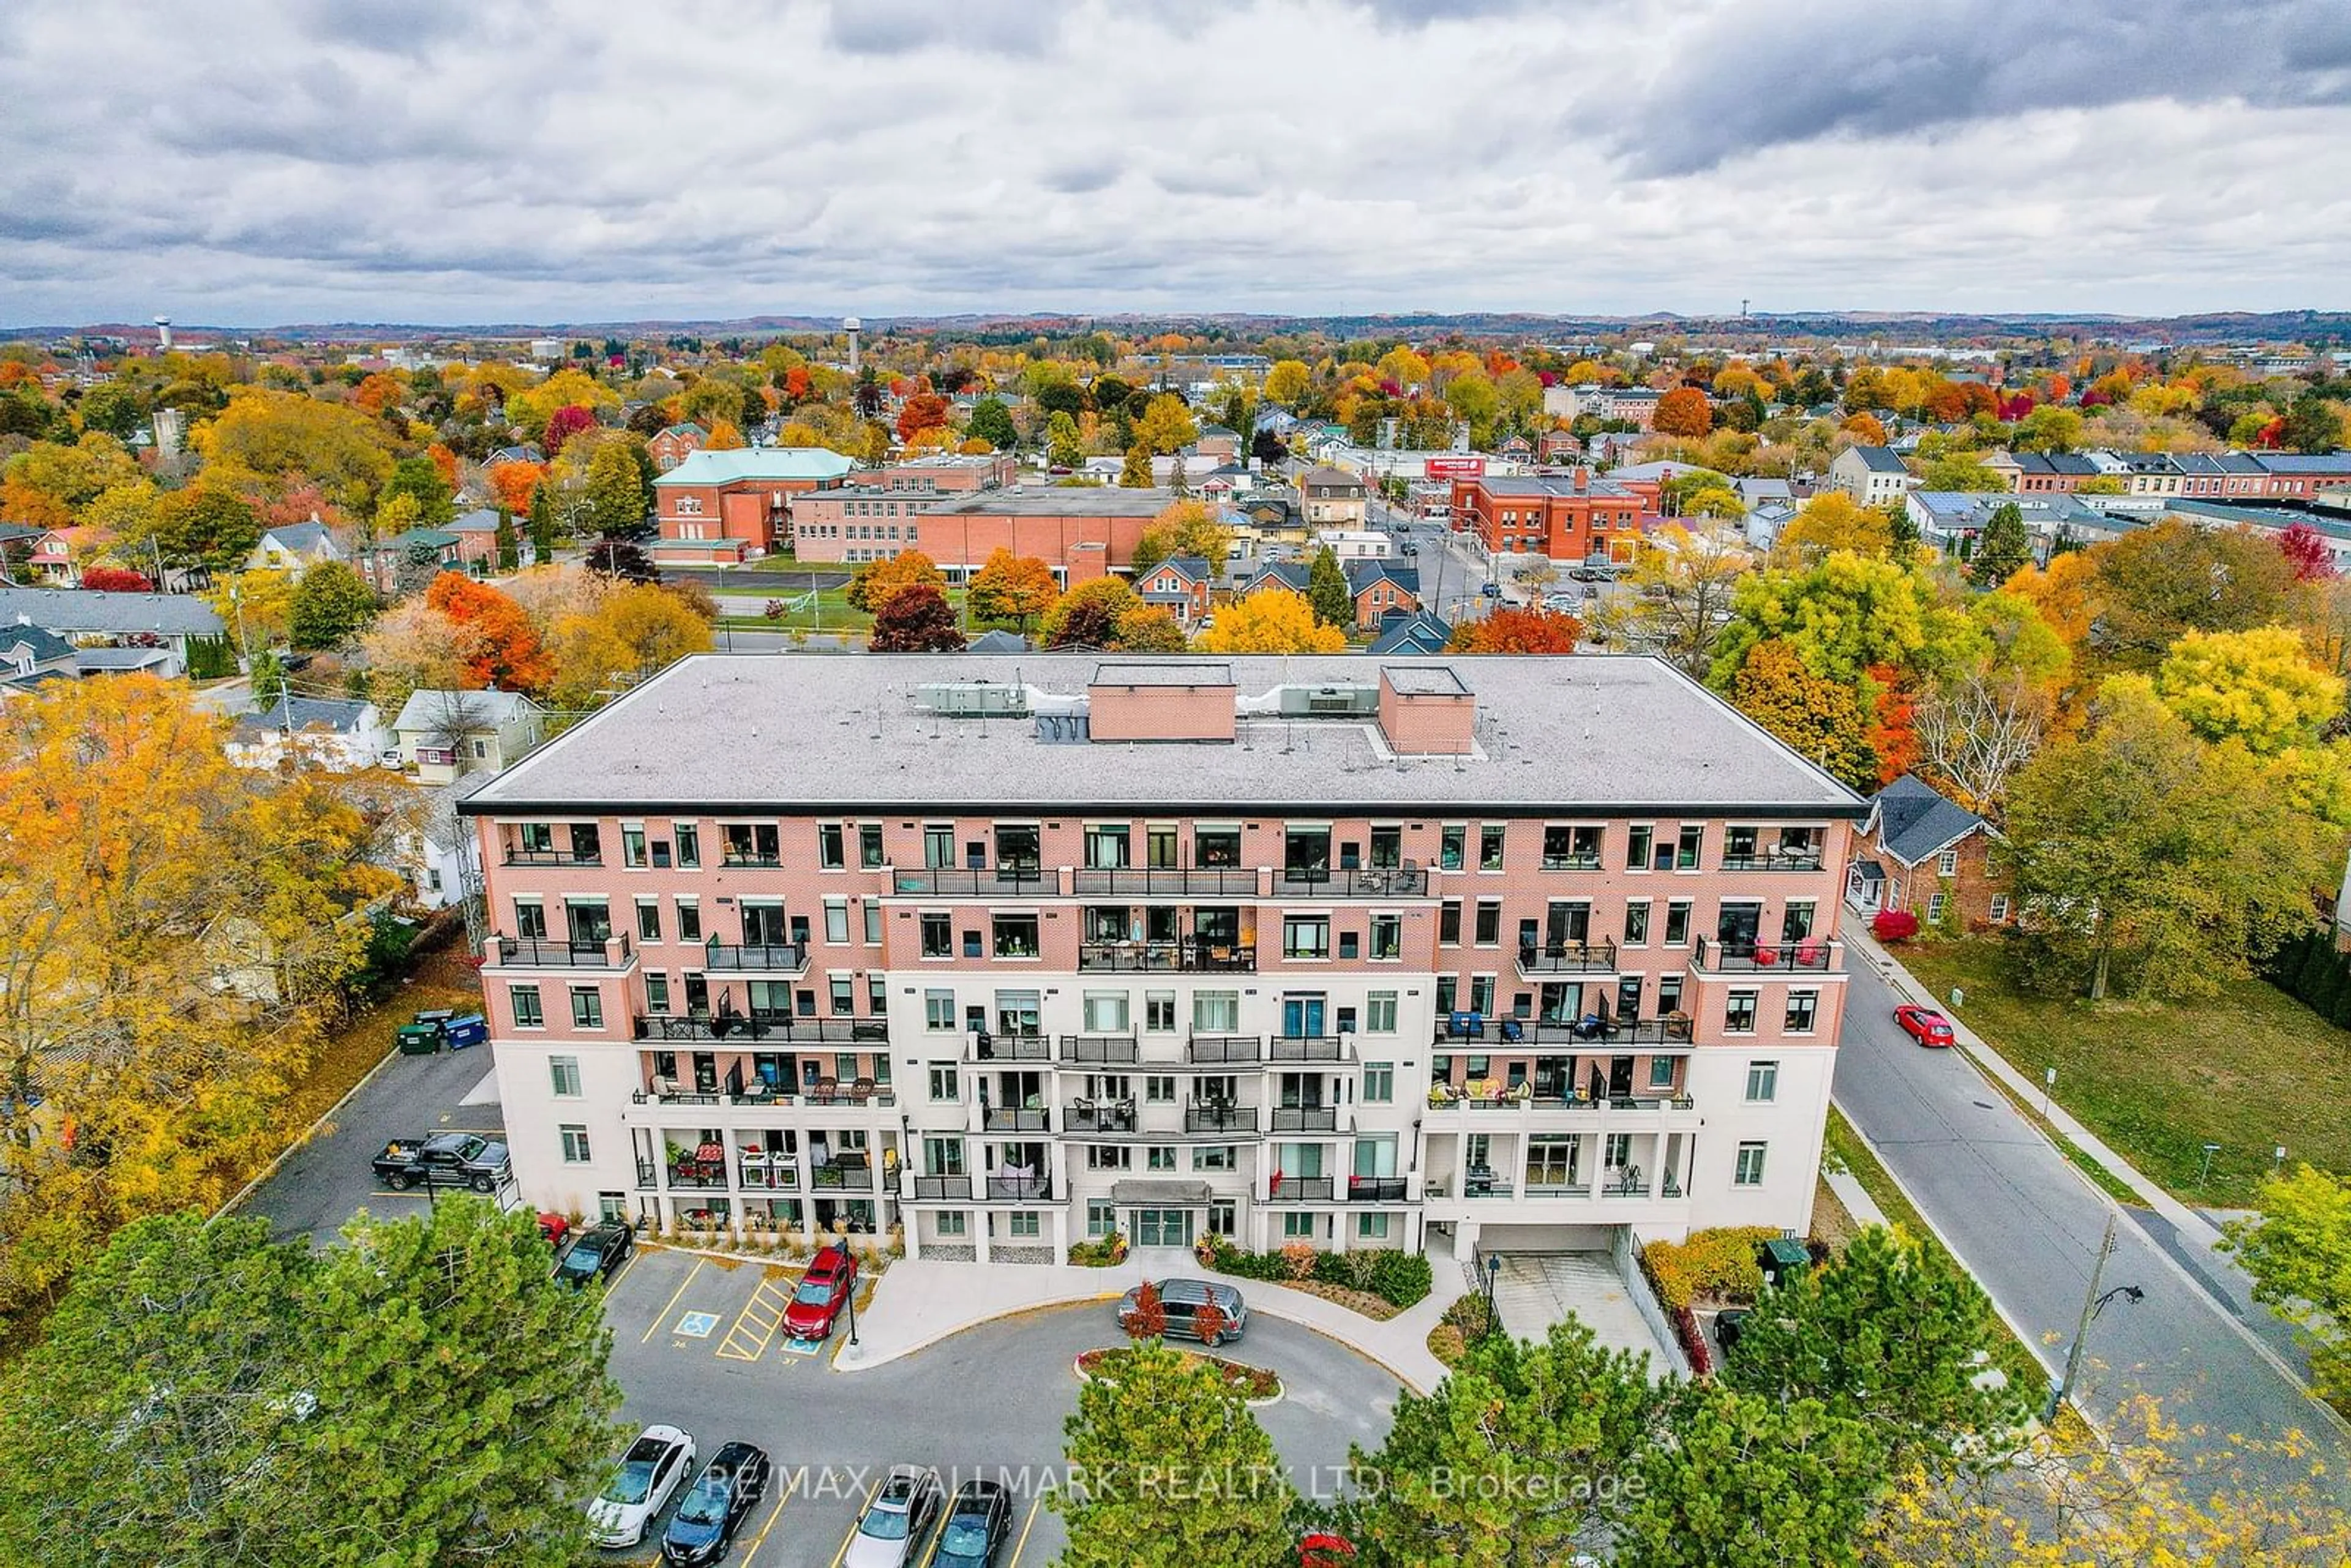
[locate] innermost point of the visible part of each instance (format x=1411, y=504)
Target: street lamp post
x=1493, y=1272
x=2093, y=1303
x=852, y=1309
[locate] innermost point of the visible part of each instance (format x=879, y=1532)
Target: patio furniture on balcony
x=1376, y=1189
x=1568, y=959
x=992, y=1046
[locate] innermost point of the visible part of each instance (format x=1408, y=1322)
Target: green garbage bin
x=1782, y=1259
x=418, y=1039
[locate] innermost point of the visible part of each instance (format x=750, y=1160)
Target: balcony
x=1376, y=1189
x=541, y=953
x=1019, y=1189
x=1774, y=860
x=1099, y=1049
x=781, y=1028
x=1376, y=881
x=1165, y=882
x=942, y=1190
x=1474, y=1107
x=770, y=958
x=1477, y=1183
x=847, y=1175
x=1568, y=959
x=864, y=1091
x=648, y=1176
x=691, y=1175
x=763, y=1174
x=1473, y=1028
x=1224, y=1050
x=1216, y=1117
x=1749, y=955
x=1301, y=1189
x=987, y=1046
x=1099, y=1117
x=1168, y=958
x=744, y=860
x=1306, y=1118
x=554, y=857
x=948, y=881
x=1014, y=1119
x=1307, y=1048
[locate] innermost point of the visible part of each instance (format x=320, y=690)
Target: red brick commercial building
x=1566, y=516
x=1081, y=532
x=725, y=508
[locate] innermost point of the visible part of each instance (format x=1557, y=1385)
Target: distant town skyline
x=250, y=163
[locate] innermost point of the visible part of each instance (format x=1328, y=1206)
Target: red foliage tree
x=1891, y=730
x=1685, y=412
x=2301, y=544
x=1149, y=1318
x=1518, y=632
x=563, y=424
x=1894, y=925
x=2013, y=409
x=116, y=580
x=511, y=657
x=1208, y=1322
x=916, y=619
x=924, y=411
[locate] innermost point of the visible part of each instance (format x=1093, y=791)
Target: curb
x=309, y=1133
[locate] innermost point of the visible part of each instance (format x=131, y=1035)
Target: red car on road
x=823, y=1292
x=1924, y=1025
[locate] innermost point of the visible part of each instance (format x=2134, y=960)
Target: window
x=1107, y=848
x=1449, y=921
x=1216, y=846
x=1159, y=1011
x=1802, y=1007
x=1371, y=1227
x=1379, y=1082
x=830, y=854
x=1685, y=847
x=1108, y=1157
x=1306, y=936
x=938, y=937
x=1106, y=1012
x=1216, y=1012
x=1449, y=842
x=938, y=1010
x=1739, y=1013
x=1159, y=1089
x=1999, y=907
x=1669, y=994
x=752, y=843
x=1948, y=864
x=1387, y=936
x=938, y=845
x=1214, y=1157
x=1677, y=923
x=1489, y=921
x=575, y=1146
x=633, y=847
x=1934, y=904
x=689, y=844
x=869, y=845
x=1298, y=1228
x=1554, y=1161
x=563, y=1075
x=1024, y=1227
x=1380, y=1012
x=1447, y=986
x=836, y=920
x=843, y=989
x=1481, y=993
x=1102, y=1216
x=1661, y=1072
x=1796, y=920
x=1748, y=1171
x=530, y=919
x=1489, y=848
x=587, y=1007
x=953, y=1223
x=656, y=992
x=689, y=920
x=877, y=995
x=944, y=1086
x=1763, y=1082
x=1016, y=935
x=1159, y=1157
x=1636, y=922
x=649, y=919
x=1636, y=846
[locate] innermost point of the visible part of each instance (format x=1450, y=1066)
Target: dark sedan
x=713, y=1509
x=600, y=1250
x=978, y=1521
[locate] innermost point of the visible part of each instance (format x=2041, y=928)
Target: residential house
x=477, y=538
x=130, y=659
x=1953, y=520
x=1873, y=475
x=1335, y=497
x=32, y=656
x=90, y=618
x=522, y=452
x=1291, y=576
x=1181, y=585
x=406, y=558
x=675, y=444
x=722, y=508
x=1267, y=519
x=1353, y=544
x=1917, y=850
x=1415, y=636
x=333, y=734
x=294, y=548
x=1218, y=444
x=1382, y=590
x=445, y=736
x=31, y=556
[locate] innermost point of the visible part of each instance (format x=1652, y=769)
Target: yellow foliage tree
x=724, y=437
x=529, y=411
x=635, y=630
x=1270, y=620
x=1833, y=520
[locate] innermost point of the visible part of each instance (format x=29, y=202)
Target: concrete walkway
x=1536, y=1290
x=917, y=1303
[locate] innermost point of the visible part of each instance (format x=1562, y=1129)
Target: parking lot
x=696, y=1344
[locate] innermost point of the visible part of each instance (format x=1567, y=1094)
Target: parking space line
x=613, y=1283
x=762, y=1539
x=1025, y=1526
x=855, y=1523
x=652, y=1327
x=758, y=1320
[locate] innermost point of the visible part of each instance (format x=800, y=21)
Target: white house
x=294, y=548
x=1350, y=544
x=338, y=736
x=1871, y=476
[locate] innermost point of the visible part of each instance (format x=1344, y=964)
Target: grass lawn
x=829, y=611
x=2248, y=1068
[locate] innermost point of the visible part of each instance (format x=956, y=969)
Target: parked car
x=1729, y=1324
x=446, y=1159
x=891, y=1531
x=823, y=1292
x=715, y=1506
x=652, y=1468
x=599, y=1251
x=1590, y=572
x=1924, y=1025
x=1181, y=1300
x=553, y=1229
x=978, y=1522
x=1410, y=547
x=1489, y=590
x=1562, y=603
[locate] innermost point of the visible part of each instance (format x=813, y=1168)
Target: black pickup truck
x=446, y=1159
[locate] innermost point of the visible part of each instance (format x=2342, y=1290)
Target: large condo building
x=1014, y=952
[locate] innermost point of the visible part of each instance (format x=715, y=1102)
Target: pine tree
x=542, y=527
x=2005, y=550
x=1327, y=590
x=510, y=544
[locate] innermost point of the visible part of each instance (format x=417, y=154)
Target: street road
x=2027, y=1226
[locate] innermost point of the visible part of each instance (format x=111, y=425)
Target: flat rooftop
x=776, y=733
x=1057, y=501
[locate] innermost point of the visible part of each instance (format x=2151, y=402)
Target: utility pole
x=2092, y=1304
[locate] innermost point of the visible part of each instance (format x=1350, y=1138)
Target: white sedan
x=654, y=1465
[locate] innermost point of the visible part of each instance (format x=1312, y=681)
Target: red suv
x=823, y=1292
x=1924, y=1025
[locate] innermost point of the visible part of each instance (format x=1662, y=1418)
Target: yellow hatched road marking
x=756, y=1324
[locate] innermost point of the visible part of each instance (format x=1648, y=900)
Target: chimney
x=1583, y=480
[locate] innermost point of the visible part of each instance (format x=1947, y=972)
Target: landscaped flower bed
x=1257, y=1384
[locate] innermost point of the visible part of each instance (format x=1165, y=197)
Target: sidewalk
x=917, y=1304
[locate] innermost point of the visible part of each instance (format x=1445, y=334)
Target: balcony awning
x=1159, y=1194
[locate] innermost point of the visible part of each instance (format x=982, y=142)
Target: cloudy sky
x=260, y=162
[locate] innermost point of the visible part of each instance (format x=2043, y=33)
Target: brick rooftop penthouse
x=1594, y=734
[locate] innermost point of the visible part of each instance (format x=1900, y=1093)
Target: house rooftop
x=1879, y=459
x=1914, y=820
x=720, y=732
x=304, y=715
x=484, y=709
x=69, y=612
x=769, y=462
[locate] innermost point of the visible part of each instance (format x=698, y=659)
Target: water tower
x=851, y=327
x=163, y=334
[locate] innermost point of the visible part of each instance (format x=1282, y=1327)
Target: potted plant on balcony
x=1441, y=1095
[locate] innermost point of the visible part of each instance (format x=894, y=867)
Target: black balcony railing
x=555, y=857
x=1568, y=959
x=760, y=1026
x=772, y=958
x=1744, y=955
x=951, y=882
x=749, y=860
x=949, y=1188
x=1473, y=1028
x=648, y=1175
x=1572, y=859
x=1019, y=1189
x=543, y=953
x=867, y=1094
x=1109, y=1049
x=1305, y=1118
x=1014, y=1119
x=1376, y=1189
x=1217, y=1050
x=1774, y=860
x=1168, y=958
x=1219, y=1118
x=1098, y=1117
x=1306, y=1048
x=989, y=1046
x=1300, y=1189
x=698, y=1177
x=1371, y=881
x=1167, y=881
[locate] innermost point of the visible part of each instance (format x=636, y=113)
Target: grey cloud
x=403, y=28
x=1754, y=77
x=1014, y=27
x=1081, y=178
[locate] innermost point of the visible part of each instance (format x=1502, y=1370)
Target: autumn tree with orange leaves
x=1685, y=412
x=1531, y=630
x=508, y=655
